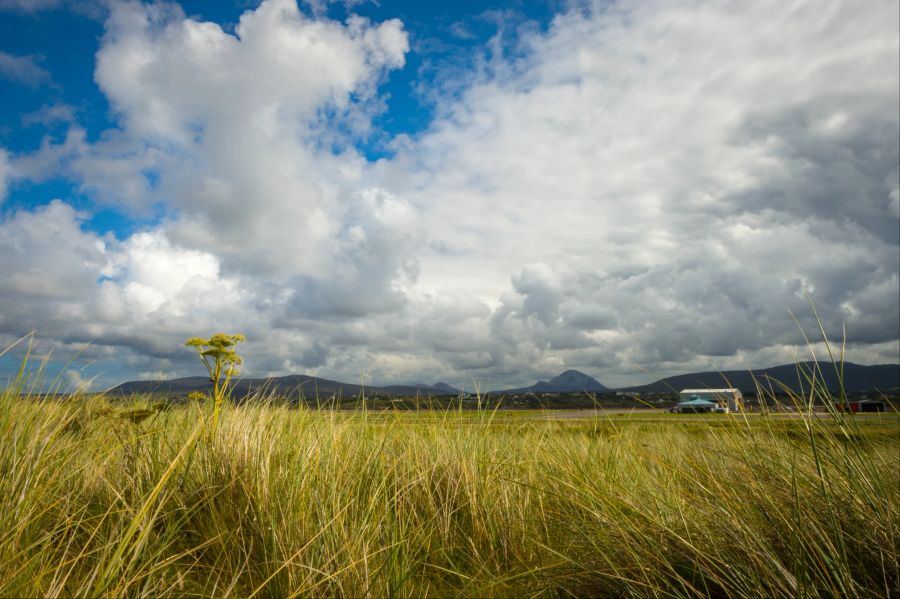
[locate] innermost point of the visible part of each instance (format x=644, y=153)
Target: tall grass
x=292, y=502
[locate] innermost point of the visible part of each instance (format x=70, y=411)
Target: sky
x=475, y=191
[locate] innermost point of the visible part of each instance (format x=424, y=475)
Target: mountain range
x=883, y=377
x=298, y=386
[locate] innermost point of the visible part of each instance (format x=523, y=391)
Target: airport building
x=724, y=400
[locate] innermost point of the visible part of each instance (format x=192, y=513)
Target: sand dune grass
x=280, y=502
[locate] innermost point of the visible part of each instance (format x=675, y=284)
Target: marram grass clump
x=293, y=502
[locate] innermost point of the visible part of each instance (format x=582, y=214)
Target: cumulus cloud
x=80, y=287
x=643, y=188
x=241, y=139
x=688, y=171
x=241, y=127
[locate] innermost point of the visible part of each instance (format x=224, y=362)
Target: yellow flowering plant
x=221, y=362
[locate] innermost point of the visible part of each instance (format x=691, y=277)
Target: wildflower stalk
x=221, y=361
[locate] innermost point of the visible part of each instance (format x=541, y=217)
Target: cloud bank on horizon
x=636, y=189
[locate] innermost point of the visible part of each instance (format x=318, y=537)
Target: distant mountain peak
x=570, y=381
x=572, y=372
x=574, y=380
x=444, y=387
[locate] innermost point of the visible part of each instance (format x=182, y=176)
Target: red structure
x=864, y=405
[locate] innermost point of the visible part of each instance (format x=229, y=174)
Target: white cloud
x=77, y=287
x=5, y=174
x=28, y=6
x=672, y=160
x=236, y=124
x=175, y=79
x=78, y=383
x=644, y=186
x=24, y=70
x=232, y=129
x=50, y=114
x=94, y=9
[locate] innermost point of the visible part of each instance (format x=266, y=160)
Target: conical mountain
x=444, y=388
x=570, y=381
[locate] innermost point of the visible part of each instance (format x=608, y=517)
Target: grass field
x=98, y=500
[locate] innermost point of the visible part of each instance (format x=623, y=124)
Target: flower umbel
x=221, y=362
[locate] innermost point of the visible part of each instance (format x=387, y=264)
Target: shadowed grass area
x=134, y=500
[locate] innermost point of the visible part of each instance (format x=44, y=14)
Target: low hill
x=882, y=377
x=296, y=386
